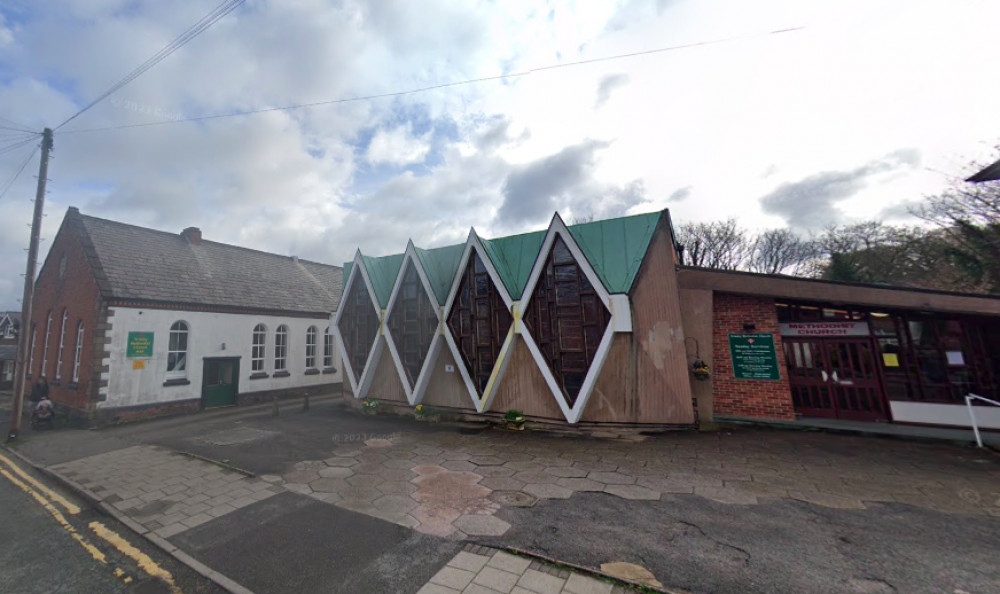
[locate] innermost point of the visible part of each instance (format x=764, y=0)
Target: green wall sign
x=140, y=345
x=753, y=356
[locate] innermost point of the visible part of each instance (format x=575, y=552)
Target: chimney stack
x=192, y=235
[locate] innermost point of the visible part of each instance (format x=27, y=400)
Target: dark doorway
x=835, y=377
x=219, y=383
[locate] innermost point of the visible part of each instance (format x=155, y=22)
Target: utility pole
x=24, y=340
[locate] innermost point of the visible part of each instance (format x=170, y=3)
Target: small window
x=31, y=352
x=311, y=347
x=78, y=352
x=327, y=349
x=281, y=348
x=259, y=345
x=177, y=351
x=62, y=345
x=45, y=348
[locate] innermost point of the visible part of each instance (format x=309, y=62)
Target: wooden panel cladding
x=358, y=325
x=446, y=388
x=566, y=318
x=523, y=388
x=386, y=384
x=479, y=321
x=412, y=323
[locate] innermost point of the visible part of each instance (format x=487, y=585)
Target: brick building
x=601, y=323
x=10, y=330
x=131, y=322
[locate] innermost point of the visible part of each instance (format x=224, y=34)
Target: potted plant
x=514, y=419
x=369, y=406
x=700, y=370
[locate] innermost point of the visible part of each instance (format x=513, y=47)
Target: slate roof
x=149, y=265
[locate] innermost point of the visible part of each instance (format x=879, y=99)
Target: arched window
x=311, y=347
x=281, y=348
x=177, y=351
x=78, y=352
x=45, y=348
x=259, y=345
x=62, y=345
x=327, y=349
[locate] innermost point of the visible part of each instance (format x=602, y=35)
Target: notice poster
x=890, y=359
x=753, y=356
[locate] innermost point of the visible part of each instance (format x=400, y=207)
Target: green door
x=219, y=383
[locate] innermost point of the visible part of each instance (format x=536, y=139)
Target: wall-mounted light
x=749, y=327
x=223, y=346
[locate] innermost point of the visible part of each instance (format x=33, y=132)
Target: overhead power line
x=190, y=33
x=433, y=87
x=17, y=125
x=10, y=182
x=16, y=145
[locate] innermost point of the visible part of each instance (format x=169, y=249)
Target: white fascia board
x=473, y=244
x=410, y=257
x=359, y=382
x=620, y=319
x=558, y=227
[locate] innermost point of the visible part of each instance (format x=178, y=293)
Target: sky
x=860, y=112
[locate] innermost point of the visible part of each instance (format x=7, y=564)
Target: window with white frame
x=45, y=348
x=62, y=345
x=78, y=352
x=31, y=351
x=327, y=349
x=281, y=348
x=259, y=346
x=177, y=351
x=311, y=347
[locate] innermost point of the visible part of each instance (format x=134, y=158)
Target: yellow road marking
x=126, y=548
x=67, y=505
x=94, y=551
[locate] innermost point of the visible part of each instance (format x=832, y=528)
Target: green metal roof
x=616, y=247
x=513, y=257
x=383, y=272
x=441, y=265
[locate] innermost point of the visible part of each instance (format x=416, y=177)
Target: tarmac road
x=40, y=554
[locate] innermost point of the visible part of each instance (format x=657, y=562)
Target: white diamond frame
x=360, y=384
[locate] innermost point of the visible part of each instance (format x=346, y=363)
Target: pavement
x=56, y=542
x=330, y=500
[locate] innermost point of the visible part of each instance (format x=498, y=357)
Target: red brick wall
x=76, y=293
x=746, y=398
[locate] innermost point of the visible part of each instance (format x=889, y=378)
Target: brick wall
x=73, y=291
x=747, y=398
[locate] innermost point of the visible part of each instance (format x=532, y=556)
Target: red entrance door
x=834, y=378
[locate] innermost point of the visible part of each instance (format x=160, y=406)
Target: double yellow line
x=49, y=500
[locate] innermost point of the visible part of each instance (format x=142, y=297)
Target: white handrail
x=972, y=415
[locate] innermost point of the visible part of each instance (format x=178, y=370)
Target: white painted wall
x=987, y=417
x=206, y=334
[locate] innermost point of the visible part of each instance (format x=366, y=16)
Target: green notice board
x=753, y=356
x=140, y=345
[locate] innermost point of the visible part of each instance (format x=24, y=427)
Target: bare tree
x=722, y=245
x=780, y=251
x=968, y=218
x=876, y=253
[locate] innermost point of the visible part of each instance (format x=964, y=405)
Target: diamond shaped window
x=358, y=326
x=567, y=319
x=479, y=321
x=412, y=323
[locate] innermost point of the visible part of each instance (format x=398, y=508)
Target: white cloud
x=398, y=146
x=852, y=87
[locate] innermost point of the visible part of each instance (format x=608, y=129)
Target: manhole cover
x=513, y=498
x=237, y=436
